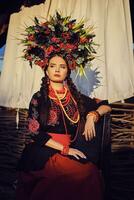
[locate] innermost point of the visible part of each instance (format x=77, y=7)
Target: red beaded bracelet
x=65, y=150
x=96, y=114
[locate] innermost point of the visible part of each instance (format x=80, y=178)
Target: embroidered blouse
x=35, y=154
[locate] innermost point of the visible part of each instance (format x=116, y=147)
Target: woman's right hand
x=76, y=153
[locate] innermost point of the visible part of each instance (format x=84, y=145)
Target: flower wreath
x=59, y=36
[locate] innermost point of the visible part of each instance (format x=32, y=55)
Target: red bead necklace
x=64, y=101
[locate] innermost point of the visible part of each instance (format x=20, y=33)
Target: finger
x=86, y=136
x=80, y=154
x=83, y=133
x=94, y=132
x=77, y=157
x=90, y=134
x=83, y=156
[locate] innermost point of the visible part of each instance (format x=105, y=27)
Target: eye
x=51, y=66
x=63, y=66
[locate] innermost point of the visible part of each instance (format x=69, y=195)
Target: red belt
x=61, y=138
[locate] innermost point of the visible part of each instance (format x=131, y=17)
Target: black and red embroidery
x=33, y=125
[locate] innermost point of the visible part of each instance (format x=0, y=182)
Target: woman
x=61, y=175
x=58, y=163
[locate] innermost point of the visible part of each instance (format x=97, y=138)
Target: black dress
x=39, y=134
x=40, y=166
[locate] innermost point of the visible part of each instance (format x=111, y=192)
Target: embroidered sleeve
x=36, y=133
x=33, y=125
x=33, y=115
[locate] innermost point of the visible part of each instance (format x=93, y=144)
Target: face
x=57, y=69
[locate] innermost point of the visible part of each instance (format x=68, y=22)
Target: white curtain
x=114, y=61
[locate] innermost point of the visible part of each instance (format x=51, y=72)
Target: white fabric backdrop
x=111, y=20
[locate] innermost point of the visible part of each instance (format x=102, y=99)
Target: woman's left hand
x=89, y=131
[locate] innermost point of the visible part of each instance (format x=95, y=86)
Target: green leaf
x=36, y=21
x=82, y=72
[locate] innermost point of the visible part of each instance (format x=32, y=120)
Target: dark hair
x=77, y=95
x=44, y=102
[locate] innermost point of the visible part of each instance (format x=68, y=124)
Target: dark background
x=132, y=15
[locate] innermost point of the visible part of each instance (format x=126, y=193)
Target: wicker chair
x=105, y=156
x=12, y=142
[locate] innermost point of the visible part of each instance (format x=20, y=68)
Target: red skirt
x=61, y=178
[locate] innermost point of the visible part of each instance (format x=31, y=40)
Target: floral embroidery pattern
x=52, y=119
x=33, y=125
x=34, y=102
x=54, y=114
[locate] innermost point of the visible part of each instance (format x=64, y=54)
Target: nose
x=57, y=69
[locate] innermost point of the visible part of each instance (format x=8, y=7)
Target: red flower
x=69, y=57
x=47, y=31
x=33, y=125
x=69, y=47
x=29, y=58
x=34, y=102
x=71, y=62
x=31, y=37
x=55, y=39
x=70, y=26
x=83, y=40
x=72, y=65
x=62, y=45
x=57, y=49
x=49, y=50
x=41, y=63
x=66, y=35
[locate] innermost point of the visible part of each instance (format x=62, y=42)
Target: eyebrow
x=63, y=64
x=60, y=64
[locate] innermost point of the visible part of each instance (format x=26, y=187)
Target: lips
x=56, y=75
